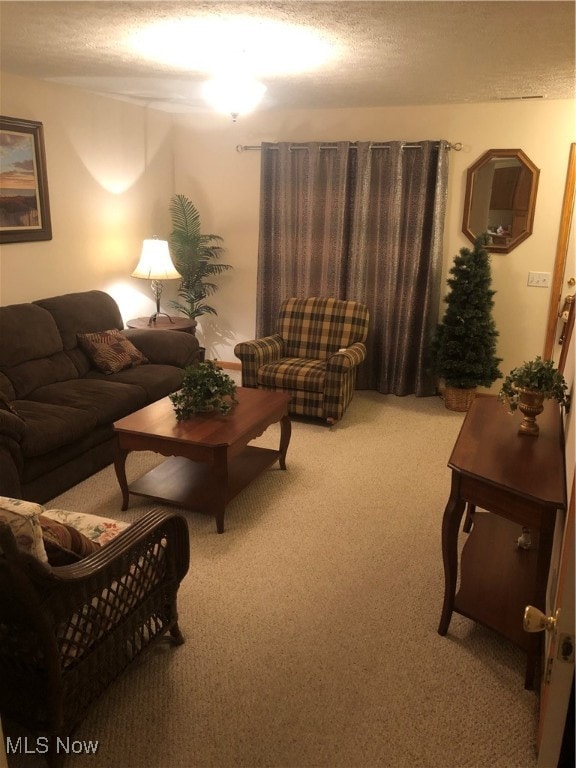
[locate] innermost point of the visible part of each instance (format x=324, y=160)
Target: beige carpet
x=311, y=623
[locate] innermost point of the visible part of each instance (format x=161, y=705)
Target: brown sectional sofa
x=56, y=407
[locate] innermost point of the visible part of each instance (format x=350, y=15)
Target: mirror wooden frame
x=471, y=177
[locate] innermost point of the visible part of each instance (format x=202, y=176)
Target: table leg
x=220, y=487
x=450, y=527
x=120, y=468
x=468, y=522
x=285, y=433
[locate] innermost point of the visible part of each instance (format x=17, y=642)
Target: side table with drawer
x=507, y=482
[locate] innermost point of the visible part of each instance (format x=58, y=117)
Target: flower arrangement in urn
x=205, y=388
x=527, y=386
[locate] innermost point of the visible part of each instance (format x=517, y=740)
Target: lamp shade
x=155, y=262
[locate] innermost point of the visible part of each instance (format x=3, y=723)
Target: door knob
x=536, y=621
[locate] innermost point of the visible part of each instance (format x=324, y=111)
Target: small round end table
x=163, y=323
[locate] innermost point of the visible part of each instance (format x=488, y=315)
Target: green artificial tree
x=464, y=347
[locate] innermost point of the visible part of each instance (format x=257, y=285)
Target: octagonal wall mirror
x=500, y=198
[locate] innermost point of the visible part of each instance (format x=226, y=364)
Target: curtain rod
x=257, y=147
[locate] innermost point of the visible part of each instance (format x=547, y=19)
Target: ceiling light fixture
x=215, y=45
x=234, y=95
x=236, y=51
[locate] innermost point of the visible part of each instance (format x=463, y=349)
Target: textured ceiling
x=388, y=53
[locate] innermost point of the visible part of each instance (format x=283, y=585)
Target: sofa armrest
x=165, y=347
x=11, y=425
x=347, y=358
x=11, y=466
x=12, y=429
x=256, y=353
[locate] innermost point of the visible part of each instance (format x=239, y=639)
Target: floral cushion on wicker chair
x=23, y=517
x=56, y=536
x=98, y=529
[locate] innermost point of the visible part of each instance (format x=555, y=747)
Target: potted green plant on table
x=195, y=256
x=527, y=386
x=205, y=388
x=464, y=347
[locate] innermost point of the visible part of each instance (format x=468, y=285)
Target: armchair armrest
x=165, y=347
x=156, y=528
x=347, y=358
x=340, y=379
x=256, y=353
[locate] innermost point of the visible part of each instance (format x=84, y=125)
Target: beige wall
x=110, y=171
x=103, y=203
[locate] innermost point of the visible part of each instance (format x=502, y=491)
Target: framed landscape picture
x=24, y=206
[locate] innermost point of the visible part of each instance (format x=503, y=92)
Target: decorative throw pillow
x=64, y=544
x=110, y=351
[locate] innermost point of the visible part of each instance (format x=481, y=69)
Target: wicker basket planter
x=458, y=399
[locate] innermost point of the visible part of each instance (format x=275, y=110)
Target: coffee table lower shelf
x=194, y=485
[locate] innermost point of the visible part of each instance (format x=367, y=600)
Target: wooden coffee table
x=210, y=459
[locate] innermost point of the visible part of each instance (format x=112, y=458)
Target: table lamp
x=155, y=264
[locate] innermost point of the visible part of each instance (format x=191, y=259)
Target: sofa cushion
x=49, y=426
x=28, y=376
x=110, y=351
x=83, y=312
x=165, y=347
x=28, y=333
x=23, y=517
x=156, y=380
x=100, y=399
x=43, y=475
x=293, y=373
x=31, y=353
x=63, y=543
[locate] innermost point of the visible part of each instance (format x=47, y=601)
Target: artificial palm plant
x=195, y=256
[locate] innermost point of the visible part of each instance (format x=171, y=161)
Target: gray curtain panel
x=359, y=221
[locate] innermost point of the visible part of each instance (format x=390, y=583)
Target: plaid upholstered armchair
x=314, y=355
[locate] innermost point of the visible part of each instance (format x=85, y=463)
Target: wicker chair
x=66, y=632
x=314, y=355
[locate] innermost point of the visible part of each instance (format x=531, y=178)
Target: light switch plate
x=539, y=279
